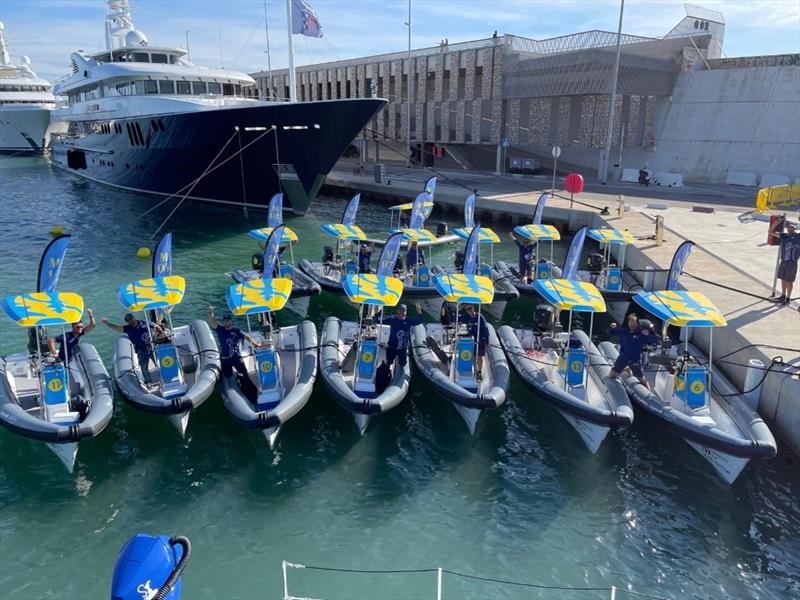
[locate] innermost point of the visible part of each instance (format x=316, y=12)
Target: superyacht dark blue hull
x=202, y=154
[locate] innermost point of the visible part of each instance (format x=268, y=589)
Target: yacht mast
x=5, y=57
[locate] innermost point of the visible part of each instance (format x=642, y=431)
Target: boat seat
x=422, y=276
x=56, y=398
x=286, y=271
x=485, y=271
x=269, y=392
x=350, y=268
x=613, y=279
x=365, y=369
x=465, y=363
x=169, y=369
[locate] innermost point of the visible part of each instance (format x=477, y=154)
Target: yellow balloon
x=56, y=230
x=143, y=252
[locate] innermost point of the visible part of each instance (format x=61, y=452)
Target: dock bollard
x=620, y=206
x=659, y=230
x=755, y=371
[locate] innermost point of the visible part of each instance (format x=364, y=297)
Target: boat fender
x=143, y=252
x=150, y=567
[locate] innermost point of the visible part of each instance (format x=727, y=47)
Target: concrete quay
x=730, y=250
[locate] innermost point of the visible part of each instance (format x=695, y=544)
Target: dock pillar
x=659, y=230
x=752, y=383
x=620, y=206
x=647, y=280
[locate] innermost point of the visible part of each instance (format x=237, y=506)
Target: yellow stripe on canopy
x=681, y=308
x=44, y=308
x=569, y=294
x=538, y=232
x=607, y=235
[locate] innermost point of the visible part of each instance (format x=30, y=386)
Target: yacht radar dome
x=135, y=38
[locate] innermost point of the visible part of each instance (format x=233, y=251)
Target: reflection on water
x=521, y=499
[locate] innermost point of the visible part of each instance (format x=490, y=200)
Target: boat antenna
x=187, y=46
x=269, y=55
x=219, y=29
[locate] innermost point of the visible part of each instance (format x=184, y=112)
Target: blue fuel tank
x=145, y=564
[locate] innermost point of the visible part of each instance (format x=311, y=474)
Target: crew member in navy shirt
x=790, y=254
x=139, y=335
x=68, y=343
x=526, y=257
x=364, y=258
x=632, y=340
x=229, y=338
x=414, y=256
x=399, y=327
x=479, y=330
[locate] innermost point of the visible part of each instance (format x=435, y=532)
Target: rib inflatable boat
x=43, y=398
x=687, y=396
x=603, y=271
x=282, y=366
x=352, y=354
x=447, y=353
x=564, y=367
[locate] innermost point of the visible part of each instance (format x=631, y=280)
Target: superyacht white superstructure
x=25, y=104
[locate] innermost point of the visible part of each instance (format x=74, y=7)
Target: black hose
x=166, y=588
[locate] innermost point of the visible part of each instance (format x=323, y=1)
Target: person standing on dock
x=68, y=342
x=525, y=248
x=789, y=254
x=632, y=340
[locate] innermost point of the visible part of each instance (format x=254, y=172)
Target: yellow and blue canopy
x=681, y=308
x=475, y=289
x=408, y=205
x=147, y=294
x=486, y=235
x=569, y=294
x=373, y=289
x=538, y=232
x=423, y=236
x=258, y=296
x=44, y=308
x=263, y=233
x=607, y=235
x=344, y=232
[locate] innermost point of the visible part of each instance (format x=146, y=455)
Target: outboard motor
x=327, y=254
x=596, y=262
x=257, y=262
x=441, y=229
x=458, y=261
x=543, y=317
x=150, y=568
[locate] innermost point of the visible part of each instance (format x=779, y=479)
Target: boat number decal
x=698, y=387
x=466, y=355
x=266, y=366
x=146, y=591
x=614, y=279
x=424, y=277
x=55, y=385
x=576, y=366
x=367, y=357
x=167, y=362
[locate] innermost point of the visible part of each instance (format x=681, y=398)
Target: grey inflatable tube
x=326, y=283
x=245, y=412
x=506, y=274
x=620, y=416
x=206, y=367
x=304, y=285
x=423, y=356
x=100, y=392
x=330, y=365
x=759, y=442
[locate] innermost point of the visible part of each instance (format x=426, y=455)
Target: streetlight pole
x=612, y=101
x=408, y=93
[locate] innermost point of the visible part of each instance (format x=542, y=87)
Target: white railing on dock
x=607, y=592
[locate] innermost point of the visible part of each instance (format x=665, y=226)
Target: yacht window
x=198, y=87
x=159, y=58
x=214, y=87
x=140, y=57
x=139, y=87
x=150, y=87
x=227, y=89
x=184, y=87
x=173, y=59
x=237, y=90
x=124, y=89
x=166, y=87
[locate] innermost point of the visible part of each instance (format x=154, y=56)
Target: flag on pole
x=304, y=19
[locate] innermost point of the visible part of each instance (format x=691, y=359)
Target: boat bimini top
x=681, y=308
x=571, y=295
x=44, y=308
x=373, y=289
x=258, y=296
x=460, y=288
x=153, y=293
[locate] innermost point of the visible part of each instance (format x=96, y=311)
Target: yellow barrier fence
x=777, y=196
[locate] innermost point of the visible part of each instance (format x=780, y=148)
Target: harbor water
x=520, y=500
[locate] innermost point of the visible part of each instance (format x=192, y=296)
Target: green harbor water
x=520, y=500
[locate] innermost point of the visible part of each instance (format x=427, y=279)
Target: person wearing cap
x=229, y=338
x=139, y=335
x=479, y=330
x=632, y=341
x=526, y=257
x=400, y=325
x=68, y=342
x=789, y=254
x=365, y=257
x=415, y=255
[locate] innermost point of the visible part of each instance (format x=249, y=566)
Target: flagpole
x=292, y=82
x=269, y=54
